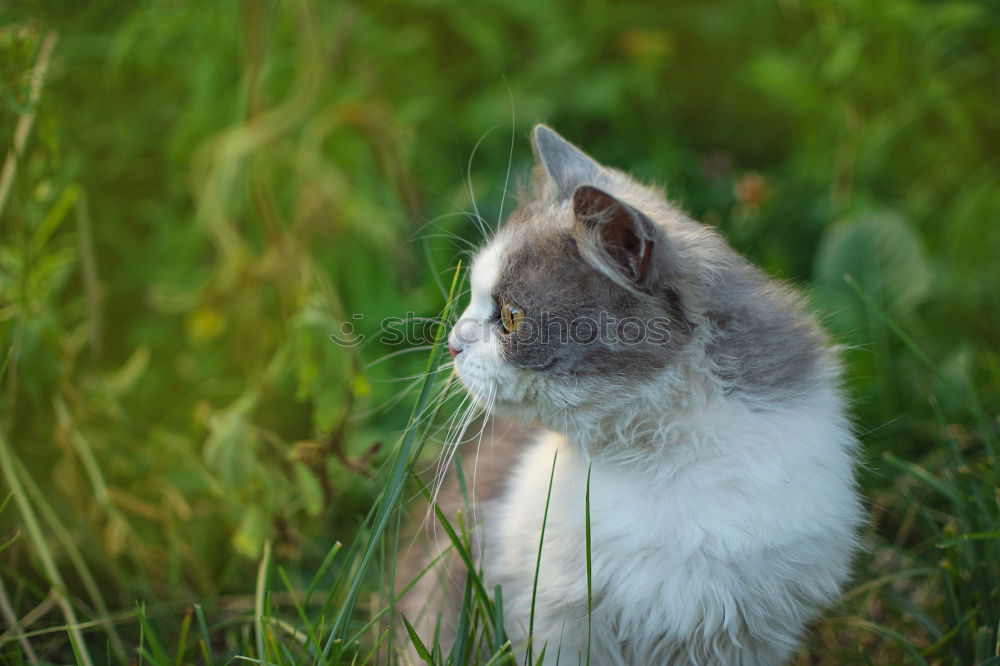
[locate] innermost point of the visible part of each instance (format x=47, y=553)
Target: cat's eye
x=511, y=316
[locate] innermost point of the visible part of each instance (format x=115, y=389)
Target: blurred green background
x=207, y=191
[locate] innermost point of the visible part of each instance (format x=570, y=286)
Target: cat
x=700, y=399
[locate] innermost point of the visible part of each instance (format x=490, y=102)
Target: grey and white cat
x=701, y=396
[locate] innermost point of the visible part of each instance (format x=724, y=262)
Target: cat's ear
x=617, y=239
x=566, y=165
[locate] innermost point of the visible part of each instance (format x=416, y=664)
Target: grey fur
x=764, y=344
x=579, y=308
x=566, y=165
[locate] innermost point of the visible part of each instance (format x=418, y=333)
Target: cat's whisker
x=420, y=231
x=415, y=381
x=449, y=391
x=466, y=253
x=456, y=418
x=487, y=419
x=474, y=411
x=456, y=429
x=434, y=220
x=444, y=367
x=456, y=435
x=464, y=415
x=460, y=211
x=510, y=155
x=398, y=352
x=457, y=240
x=453, y=422
x=386, y=404
x=433, y=405
x=480, y=221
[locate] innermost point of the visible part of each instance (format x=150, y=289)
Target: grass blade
x=470, y=566
x=394, y=487
x=10, y=465
x=538, y=560
x=158, y=654
x=886, y=632
x=499, y=637
x=418, y=644
x=206, y=639
x=261, y=605
x=182, y=640
x=590, y=568
x=460, y=651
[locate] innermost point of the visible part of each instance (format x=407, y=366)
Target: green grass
x=200, y=195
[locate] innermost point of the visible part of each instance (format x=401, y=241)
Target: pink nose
x=454, y=348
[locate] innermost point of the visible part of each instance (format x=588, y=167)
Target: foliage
x=209, y=192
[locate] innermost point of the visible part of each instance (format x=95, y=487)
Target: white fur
x=481, y=365
x=719, y=531
x=717, y=552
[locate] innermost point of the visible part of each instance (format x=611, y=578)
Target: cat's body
x=723, y=512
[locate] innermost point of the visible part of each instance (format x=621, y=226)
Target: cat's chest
x=633, y=521
x=739, y=491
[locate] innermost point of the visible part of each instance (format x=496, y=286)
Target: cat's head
x=585, y=298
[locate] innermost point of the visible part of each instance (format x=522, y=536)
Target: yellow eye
x=511, y=316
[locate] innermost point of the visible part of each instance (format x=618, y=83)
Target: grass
x=193, y=199
x=304, y=630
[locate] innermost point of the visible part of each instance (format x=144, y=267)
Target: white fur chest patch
x=722, y=559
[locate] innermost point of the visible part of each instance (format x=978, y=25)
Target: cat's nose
x=454, y=346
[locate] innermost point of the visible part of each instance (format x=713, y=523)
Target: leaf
x=319, y=364
x=122, y=380
x=883, y=252
x=54, y=217
x=417, y=643
x=230, y=449
x=309, y=489
x=254, y=528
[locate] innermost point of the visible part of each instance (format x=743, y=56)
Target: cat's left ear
x=618, y=240
x=566, y=165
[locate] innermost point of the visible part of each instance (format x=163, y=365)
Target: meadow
x=198, y=198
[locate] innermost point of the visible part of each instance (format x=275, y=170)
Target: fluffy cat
x=700, y=396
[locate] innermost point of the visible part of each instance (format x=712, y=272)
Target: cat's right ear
x=566, y=166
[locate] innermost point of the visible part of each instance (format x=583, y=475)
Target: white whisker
x=510, y=154
x=480, y=221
